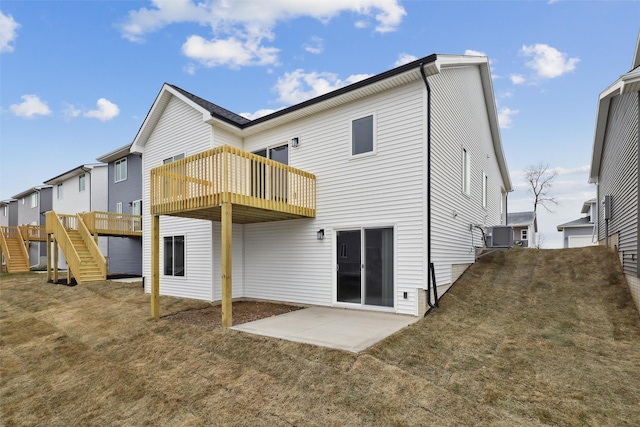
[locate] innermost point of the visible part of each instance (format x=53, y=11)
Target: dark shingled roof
x=582, y=222
x=215, y=110
x=521, y=218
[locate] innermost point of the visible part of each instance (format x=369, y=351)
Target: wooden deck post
x=48, y=257
x=155, y=266
x=227, y=225
x=55, y=260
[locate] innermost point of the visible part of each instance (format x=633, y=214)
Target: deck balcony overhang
x=260, y=189
x=229, y=185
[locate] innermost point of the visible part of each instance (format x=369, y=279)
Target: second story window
x=466, y=172
x=82, y=183
x=34, y=200
x=363, y=135
x=173, y=158
x=121, y=170
x=60, y=191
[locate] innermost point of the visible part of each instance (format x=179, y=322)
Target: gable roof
x=234, y=123
x=30, y=191
x=73, y=172
x=580, y=222
x=586, y=206
x=627, y=83
x=116, y=154
x=522, y=219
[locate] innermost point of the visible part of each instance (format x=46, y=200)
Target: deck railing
x=13, y=233
x=4, y=234
x=229, y=174
x=92, y=246
x=58, y=224
x=33, y=233
x=112, y=223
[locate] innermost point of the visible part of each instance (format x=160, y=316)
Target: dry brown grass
x=555, y=341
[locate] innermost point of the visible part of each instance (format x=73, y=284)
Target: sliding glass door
x=365, y=266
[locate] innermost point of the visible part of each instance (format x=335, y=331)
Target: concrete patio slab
x=349, y=330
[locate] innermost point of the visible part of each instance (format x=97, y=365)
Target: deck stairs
x=89, y=265
x=14, y=251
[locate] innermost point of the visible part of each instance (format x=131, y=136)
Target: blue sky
x=78, y=77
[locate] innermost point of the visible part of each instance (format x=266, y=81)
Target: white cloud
x=472, y=52
x=404, y=58
x=70, y=111
x=240, y=28
x=190, y=69
x=8, y=32
x=298, y=86
x=360, y=24
x=504, y=117
x=314, y=46
x=260, y=113
x=547, y=61
x=517, y=79
x=31, y=106
x=106, y=110
x=232, y=52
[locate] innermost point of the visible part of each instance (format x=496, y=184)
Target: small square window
x=362, y=135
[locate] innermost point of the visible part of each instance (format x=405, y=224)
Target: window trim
x=374, y=124
x=82, y=182
x=118, y=163
x=184, y=256
x=466, y=172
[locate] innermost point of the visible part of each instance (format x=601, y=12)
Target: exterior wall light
x=320, y=234
x=295, y=142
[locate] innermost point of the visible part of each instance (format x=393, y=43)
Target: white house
x=582, y=231
x=370, y=211
x=81, y=189
x=525, y=227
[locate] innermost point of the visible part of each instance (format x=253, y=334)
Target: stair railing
x=56, y=227
x=3, y=243
x=92, y=246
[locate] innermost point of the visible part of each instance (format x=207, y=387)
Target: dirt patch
x=243, y=312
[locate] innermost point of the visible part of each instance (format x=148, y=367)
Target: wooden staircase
x=15, y=254
x=86, y=262
x=89, y=267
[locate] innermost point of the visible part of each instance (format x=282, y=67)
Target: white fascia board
x=116, y=154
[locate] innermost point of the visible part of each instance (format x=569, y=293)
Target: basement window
x=174, y=256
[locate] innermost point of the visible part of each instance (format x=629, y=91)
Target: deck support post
x=227, y=224
x=55, y=260
x=155, y=267
x=48, y=257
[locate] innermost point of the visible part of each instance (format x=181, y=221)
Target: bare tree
x=540, y=179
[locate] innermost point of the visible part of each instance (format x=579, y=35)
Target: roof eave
x=116, y=154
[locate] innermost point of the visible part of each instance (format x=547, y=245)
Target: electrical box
x=606, y=201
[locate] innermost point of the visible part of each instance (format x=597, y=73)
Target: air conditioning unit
x=499, y=236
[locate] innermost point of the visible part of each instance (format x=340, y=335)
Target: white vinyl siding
x=284, y=260
x=460, y=121
x=121, y=170
x=179, y=130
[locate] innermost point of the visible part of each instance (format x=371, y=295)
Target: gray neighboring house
x=32, y=204
x=525, y=227
x=4, y=212
x=614, y=170
x=13, y=213
x=124, y=196
x=581, y=232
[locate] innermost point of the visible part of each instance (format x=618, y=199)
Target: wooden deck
x=229, y=185
x=113, y=224
x=260, y=189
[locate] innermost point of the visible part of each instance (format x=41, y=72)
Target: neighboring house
x=32, y=204
x=81, y=189
x=4, y=212
x=525, y=227
x=13, y=213
x=614, y=170
x=581, y=232
x=124, y=196
x=358, y=156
